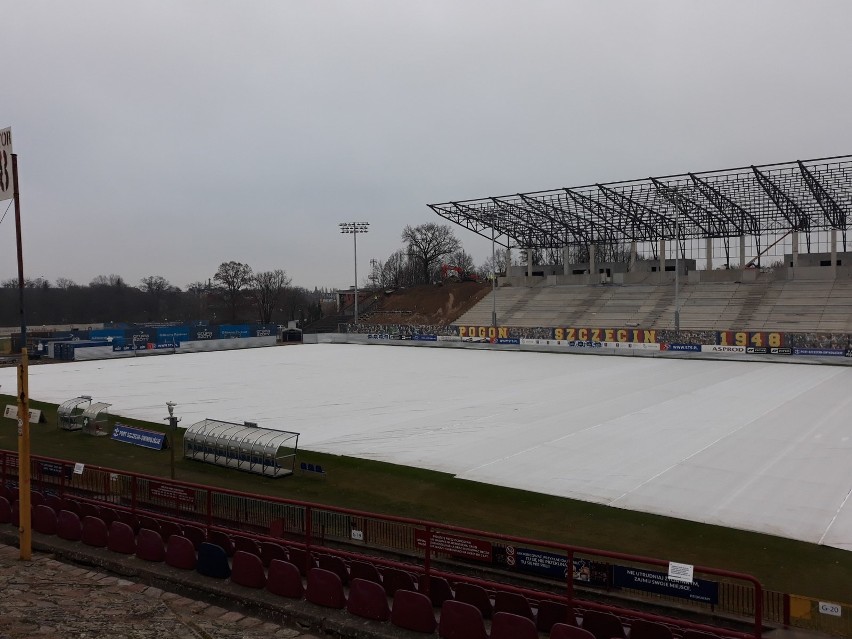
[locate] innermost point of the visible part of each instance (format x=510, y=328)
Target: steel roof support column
x=795, y=236
x=742, y=253
x=592, y=267
x=662, y=267
x=566, y=259
x=529, y=262
x=709, y=250
x=834, y=253
x=632, y=264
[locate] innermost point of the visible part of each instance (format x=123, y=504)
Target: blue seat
x=212, y=561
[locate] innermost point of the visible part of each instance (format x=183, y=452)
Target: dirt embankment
x=430, y=304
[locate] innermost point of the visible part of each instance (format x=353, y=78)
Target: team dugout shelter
x=242, y=446
x=703, y=218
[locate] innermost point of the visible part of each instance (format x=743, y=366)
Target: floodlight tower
x=355, y=228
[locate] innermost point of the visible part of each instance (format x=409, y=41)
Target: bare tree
x=64, y=283
x=269, y=287
x=233, y=278
x=108, y=280
x=462, y=259
x=496, y=265
x=427, y=244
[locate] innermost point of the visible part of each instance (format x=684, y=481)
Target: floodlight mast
x=355, y=228
x=173, y=422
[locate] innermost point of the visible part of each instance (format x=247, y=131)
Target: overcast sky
x=163, y=138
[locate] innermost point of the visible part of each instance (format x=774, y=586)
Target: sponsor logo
x=690, y=348
x=781, y=351
x=757, y=350
x=723, y=349
x=826, y=352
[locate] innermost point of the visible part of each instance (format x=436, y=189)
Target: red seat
x=94, y=532
x=413, y=611
x=506, y=625
x=149, y=523
x=394, y=579
x=696, y=634
x=36, y=498
x=325, y=589
x=223, y=540
x=71, y=505
x=603, y=625
x=180, y=553
x=149, y=545
x=121, y=538
x=247, y=570
x=364, y=570
x=195, y=534
x=246, y=545
x=89, y=510
x=7, y=493
x=301, y=558
x=130, y=519
x=270, y=550
x=512, y=602
x=367, y=599
x=169, y=528
x=460, y=620
x=284, y=579
x=566, y=631
x=642, y=629
x=69, y=526
x=44, y=520
x=334, y=564
x=54, y=501
x=476, y=596
x=108, y=514
x=553, y=612
x=439, y=590
x=5, y=510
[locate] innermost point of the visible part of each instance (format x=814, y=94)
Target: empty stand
x=566, y=631
x=364, y=570
x=395, y=579
x=552, y=612
x=121, y=539
x=476, y=596
x=513, y=603
x=69, y=526
x=508, y=626
x=439, y=590
x=44, y=519
x=603, y=625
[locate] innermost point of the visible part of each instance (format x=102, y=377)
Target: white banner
x=722, y=349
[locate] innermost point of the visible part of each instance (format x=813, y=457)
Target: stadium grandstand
x=752, y=248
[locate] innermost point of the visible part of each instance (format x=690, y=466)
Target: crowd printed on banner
x=832, y=341
x=822, y=352
x=692, y=348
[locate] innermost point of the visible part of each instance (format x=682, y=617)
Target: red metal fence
x=583, y=578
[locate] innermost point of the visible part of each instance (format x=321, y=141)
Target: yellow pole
x=25, y=529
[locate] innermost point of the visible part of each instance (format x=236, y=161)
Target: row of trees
x=235, y=293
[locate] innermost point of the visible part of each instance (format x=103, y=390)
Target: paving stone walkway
x=47, y=599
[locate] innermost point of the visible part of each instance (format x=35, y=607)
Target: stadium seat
x=149, y=545
x=512, y=602
x=552, y=612
x=69, y=526
x=325, y=589
x=129, y=519
x=247, y=570
x=367, y=599
x=95, y=532
x=461, y=620
x=566, y=631
x=603, y=625
x=506, y=625
x=54, y=502
x=71, y=505
x=180, y=553
x=150, y=523
x=696, y=634
x=15, y=517
x=6, y=493
x=212, y=561
x=108, y=514
x=246, y=545
x=334, y=564
x=223, y=540
x=5, y=511
x=642, y=629
x=439, y=590
x=301, y=558
x=44, y=520
x=195, y=534
x=36, y=498
x=284, y=579
x=476, y=596
x=364, y=570
x=169, y=528
x=121, y=538
x=270, y=550
x=413, y=611
x=89, y=510
x=394, y=579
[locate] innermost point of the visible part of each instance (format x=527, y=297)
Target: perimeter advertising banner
x=139, y=436
x=659, y=583
x=551, y=564
x=639, y=335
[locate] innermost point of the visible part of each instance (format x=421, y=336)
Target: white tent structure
x=757, y=446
